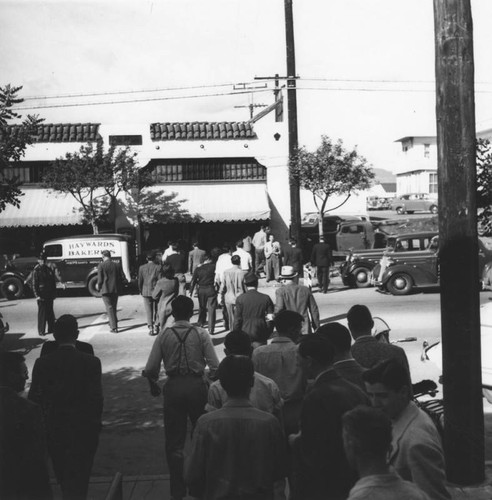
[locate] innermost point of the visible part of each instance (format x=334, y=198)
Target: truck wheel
x=361, y=277
x=400, y=210
x=12, y=288
x=91, y=287
x=400, y=284
x=433, y=209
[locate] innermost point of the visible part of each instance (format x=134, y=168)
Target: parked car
x=402, y=273
x=415, y=202
x=357, y=268
x=378, y=203
x=13, y=274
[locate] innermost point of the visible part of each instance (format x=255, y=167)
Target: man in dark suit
x=321, y=469
x=195, y=257
x=23, y=452
x=177, y=262
x=148, y=274
x=254, y=312
x=293, y=257
x=67, y=385
x=204, y=279
x=321, y=258
x=52, y=345
x=110, y=280
x=298, y=298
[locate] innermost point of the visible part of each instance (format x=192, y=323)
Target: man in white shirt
x=170, y=250
x=246, y=261
x=259, y=241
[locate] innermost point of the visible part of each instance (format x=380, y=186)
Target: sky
x=365, y=67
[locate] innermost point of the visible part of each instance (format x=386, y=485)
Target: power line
x=131, y=101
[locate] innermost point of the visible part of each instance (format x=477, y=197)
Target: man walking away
x=177, y=261
x=416, y=451
x=343, y=362
x=321, y=258
x=110, y=281
x=367, y=443
x=148, y=274
x=23, y=452
x=165, y=291
x=237, y=451
x=280, y=361
x=44, y=278
x=185, y=350
x=259, y=242
x=223, y=263
x=196, y=257
x=297, y=298
x=67, y=385
x=246, y=262
x=321, y=469
x=254, y=312
x=368, y=350
x=293, y=257
x=204, y=279
x=231, y=287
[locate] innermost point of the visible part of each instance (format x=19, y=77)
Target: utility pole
x=295, y=200
x=458, y=254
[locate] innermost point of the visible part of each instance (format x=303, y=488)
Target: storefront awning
x=42, y=207
x=227, y=202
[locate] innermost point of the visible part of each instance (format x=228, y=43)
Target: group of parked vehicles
x=405, y=204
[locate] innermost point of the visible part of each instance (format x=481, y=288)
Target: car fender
x=13, y=274
x=419, y=275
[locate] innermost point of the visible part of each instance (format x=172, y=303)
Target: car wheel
x=361, y=277
x=12, y=288
x=91, y=287
x=400, y=210
x=433, y=209
x=400, y=284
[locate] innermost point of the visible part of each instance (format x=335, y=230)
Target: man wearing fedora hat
x=298, y=298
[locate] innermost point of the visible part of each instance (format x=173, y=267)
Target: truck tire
x=91, y=287
x=361, y=277
x=12, y=288
x=433, y=209
x=399, y=284
x=400, y=210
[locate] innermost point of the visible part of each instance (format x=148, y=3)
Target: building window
x=426, y=150
x=28, y=172
x=432, y=183
x=208, y=169
x=125, y=140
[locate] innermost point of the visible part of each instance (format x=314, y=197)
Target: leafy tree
x=330, y=170
x=484, y=185
x=13, y=143
x=95, y=178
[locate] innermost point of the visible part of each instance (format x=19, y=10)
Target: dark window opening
x=125, y=140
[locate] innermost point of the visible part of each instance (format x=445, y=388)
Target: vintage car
x=415, y=202
x=357, y=268
x=402, y=273
x=433, y=352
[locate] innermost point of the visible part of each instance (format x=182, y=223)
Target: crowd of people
x=297, y=409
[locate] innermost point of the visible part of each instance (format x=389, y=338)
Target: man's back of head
x=236, y=375
x=236, y=260
x=13, y=370
x=318, y=351
x=238, y=343
x=360, y=321
x=239, y=244
x=66, y=329
x=338, y=335
x=182, y=308
x=289, y=324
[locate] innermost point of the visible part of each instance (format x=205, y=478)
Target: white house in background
x=417, y=164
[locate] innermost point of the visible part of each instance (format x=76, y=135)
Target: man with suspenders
x=185, y=351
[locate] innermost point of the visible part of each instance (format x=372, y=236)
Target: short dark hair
x=66, y=328
x=214, y=253
x=226, y=247
x=359, y=317
x=370, y=428
x=236, y=260
x=391, y=372
x=285, y=320
x=240, y=243
x=182, y=307
x=317, y=347
x=106, y=253
x=10, y=364
x=236, y=375
x=337, y=334
x=238, y=342
x=250, y=279
x=167, y=271
x=151, y=255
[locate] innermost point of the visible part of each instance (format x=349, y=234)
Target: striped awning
x=42, y=207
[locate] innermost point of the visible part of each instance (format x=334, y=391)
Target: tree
x=14, y=140
x=484, y=185
x=95, y=178
x=330, y=170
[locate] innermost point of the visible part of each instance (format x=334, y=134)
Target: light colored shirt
x=280, y=361
x=385, y=487
x=259, y=240
x=232, y=285
x=193, y=356
x=264, y=395
x=167, y=252
x=237, y=452
x=246, y=261
x=223, y=263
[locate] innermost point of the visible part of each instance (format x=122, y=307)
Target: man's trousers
x=46, y=315
x=323, y=277
x=150, y=311
x=207, y=303
x=111, y=303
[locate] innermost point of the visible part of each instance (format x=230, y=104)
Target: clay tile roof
x=63, y=132
x=192, y=131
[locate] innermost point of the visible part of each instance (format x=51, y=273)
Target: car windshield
x=487, y=242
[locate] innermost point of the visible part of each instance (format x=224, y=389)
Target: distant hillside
x=383, y=176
